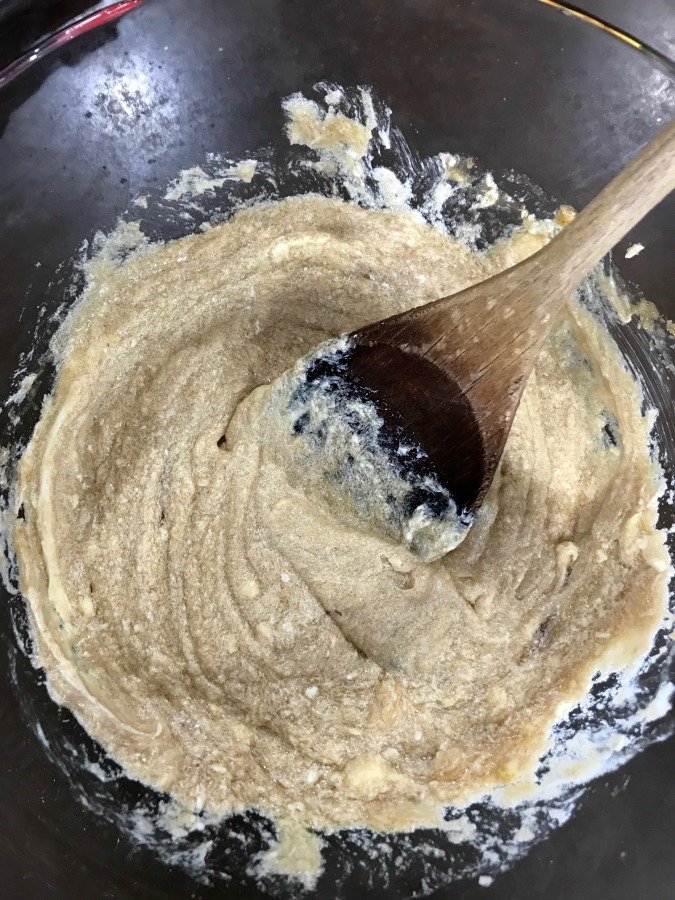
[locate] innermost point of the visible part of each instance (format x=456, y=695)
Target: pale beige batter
x=225, y=637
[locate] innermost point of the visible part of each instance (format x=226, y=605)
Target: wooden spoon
x=451, y=373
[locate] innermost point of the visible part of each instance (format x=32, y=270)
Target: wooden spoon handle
x=646, y=180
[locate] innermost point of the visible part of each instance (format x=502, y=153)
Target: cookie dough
x=229, y=639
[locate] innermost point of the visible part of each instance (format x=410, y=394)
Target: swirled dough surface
x=225, y=637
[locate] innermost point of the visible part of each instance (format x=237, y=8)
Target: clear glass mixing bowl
x=116, y=113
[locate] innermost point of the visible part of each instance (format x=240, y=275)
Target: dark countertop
x=651, y=22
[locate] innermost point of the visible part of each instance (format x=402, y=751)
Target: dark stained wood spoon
x=450, y=374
